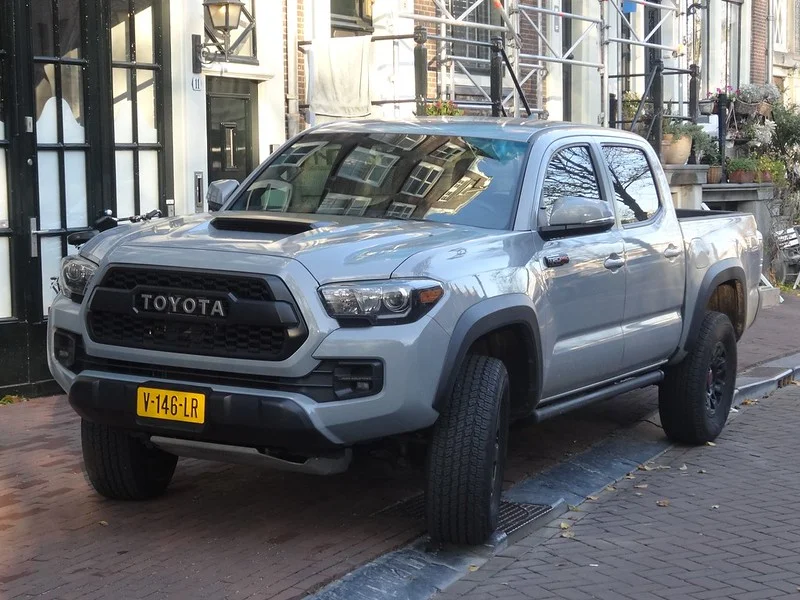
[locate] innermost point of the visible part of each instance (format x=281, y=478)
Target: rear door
x=584, y=281
x=654, y=256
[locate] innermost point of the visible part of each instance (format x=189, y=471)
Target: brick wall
x=758, y=47
x=301, y=63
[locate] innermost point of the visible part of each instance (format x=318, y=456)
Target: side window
x=635, y=189
x=571, y=172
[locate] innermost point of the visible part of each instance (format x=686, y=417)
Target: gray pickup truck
x=434, y=278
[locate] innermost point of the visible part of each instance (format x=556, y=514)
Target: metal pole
x=420, y=69
x=613, y=120
x=515, y=50
x=722, y=134
x=604, y=61
x=658, y=106
x=496, y=76
x=694, y=92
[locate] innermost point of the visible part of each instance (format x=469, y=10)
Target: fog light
x=64, y=347
x=357, y=379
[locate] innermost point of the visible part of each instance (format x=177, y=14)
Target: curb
x=419, y=573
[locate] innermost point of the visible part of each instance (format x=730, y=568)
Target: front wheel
x=696, y=395
x=467, y=455
x=121, y=466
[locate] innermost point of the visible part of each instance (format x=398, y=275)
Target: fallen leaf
x=473, y=568
x=749, y=402
x=702, y=471
x=710, y=444
x=683, y=468
x=574, y=508
x=662, y=467
x=104, y=523
x=794, y=382
x=593, y=498
x=714, y=506
x=662, y=503
x=641, y=486
x=565, y=525
x=645, y=468
x=629, y=476
x=568, y=534
x=637, y=493
x=610, y=488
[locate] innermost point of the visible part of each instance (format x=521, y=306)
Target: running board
x=559, y=407
x=315, y=465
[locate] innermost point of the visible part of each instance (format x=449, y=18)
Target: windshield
x=463, y=180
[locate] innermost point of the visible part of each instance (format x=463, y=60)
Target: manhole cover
x=513, y=515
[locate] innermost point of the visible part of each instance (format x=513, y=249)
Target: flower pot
x=764, y=109
x=741, y=176
x=764, y=177
x=714, y=174
x=675, y=152
x=708, y=107
x=745, y=109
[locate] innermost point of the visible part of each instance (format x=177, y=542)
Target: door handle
x=672, y=251
x=614, y=262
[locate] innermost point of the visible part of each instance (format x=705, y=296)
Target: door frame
x=252, y=119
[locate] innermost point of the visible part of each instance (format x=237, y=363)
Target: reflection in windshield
x=470, y=181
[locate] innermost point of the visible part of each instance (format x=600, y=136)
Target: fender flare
x=717, y=274
x=482, y=318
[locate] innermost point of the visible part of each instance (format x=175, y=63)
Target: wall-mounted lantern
x=224, y=16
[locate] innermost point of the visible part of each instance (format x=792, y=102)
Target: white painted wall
x=392, y=70
x=189, y=141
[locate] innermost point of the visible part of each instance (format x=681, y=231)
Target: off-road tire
x=695, y=397
x=121, y=466
x=467, y=455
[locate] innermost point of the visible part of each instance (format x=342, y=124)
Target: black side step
x=559, y=407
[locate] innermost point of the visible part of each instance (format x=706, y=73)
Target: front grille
x=255, y=325
x=245, y=288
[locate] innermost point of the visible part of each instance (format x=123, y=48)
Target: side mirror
x=219, y=191
x=79, y=238
x=575, y=214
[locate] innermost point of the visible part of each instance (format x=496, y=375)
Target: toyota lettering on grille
x=181, y=305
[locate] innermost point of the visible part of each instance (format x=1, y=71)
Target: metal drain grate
x=513, y=515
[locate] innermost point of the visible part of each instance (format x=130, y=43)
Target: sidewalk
x=704, y=523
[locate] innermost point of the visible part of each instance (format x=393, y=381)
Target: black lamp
x=224, y=16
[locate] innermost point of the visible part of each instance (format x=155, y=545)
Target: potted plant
x=443, y=108
x=770, y=170
x=757, y=99
x=709, y=105
x=676, y=141
x=707, y=149
x=742, y=169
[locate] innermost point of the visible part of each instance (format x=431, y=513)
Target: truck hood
x=346, y=249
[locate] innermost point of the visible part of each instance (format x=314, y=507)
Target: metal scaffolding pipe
x=556, y=13
x=642, y=44
x=563, y=61
x=454, y=22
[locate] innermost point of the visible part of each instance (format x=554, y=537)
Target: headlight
x=76, y=272
x=380, y=302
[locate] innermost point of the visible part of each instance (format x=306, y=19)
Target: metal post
x=613, y=120
x=658, y=106
x=694, y=92
x=722, y=133
x=496, y=76
x=420, y=69
x=604, y=26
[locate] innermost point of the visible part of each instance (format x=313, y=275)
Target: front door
x=582, y=328
x=80, y=132
x=232, y=146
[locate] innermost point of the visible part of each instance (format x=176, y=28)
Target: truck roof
x=504, y=128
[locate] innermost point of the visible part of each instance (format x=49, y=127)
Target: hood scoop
x=270, y=224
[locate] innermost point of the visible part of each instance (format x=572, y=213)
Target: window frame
x=423, y=164
x=449, y=150
x=404, y=206
x=600, y=174
x=348, y=210
x=609, y=176
x=371, y=151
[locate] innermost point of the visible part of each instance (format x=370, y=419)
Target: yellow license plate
x=158, y=403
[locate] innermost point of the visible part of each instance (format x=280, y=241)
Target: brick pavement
x=731, y=529
x=235, y=532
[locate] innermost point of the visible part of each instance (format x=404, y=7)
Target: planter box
x=741, y=176
x=708, y=107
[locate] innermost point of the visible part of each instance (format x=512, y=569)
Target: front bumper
x=256, y=420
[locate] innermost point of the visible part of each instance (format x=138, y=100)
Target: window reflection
x=470, y=181
x=570, y=172
x=635, y=190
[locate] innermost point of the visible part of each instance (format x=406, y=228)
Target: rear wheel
x=121, y=466
x=695, y=398
x=467, y=455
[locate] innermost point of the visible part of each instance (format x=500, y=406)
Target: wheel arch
x=505, y=327
x=723, y=289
